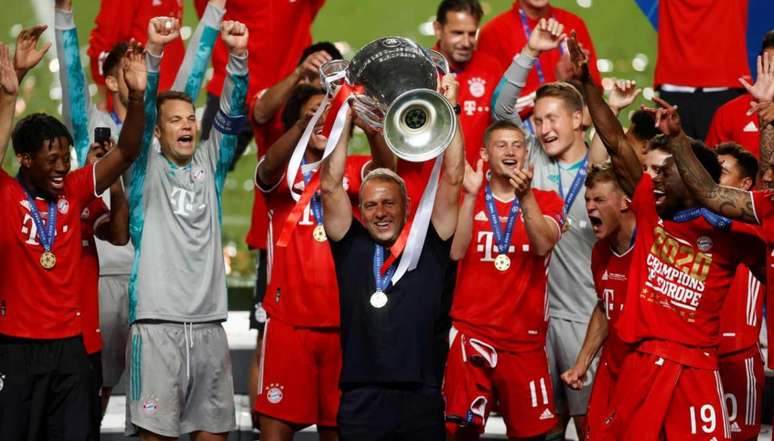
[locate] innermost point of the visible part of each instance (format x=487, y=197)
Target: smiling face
x=382, y=210
x=317, y=141
x=457, y=36
x=176, y=130
x=556, y=125
x=46, y=169
x=506, y=150
x=605, y=203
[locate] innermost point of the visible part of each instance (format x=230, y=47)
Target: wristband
x=228, y=125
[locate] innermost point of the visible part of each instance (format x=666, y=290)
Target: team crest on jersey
x=85, y=213
x=63, y=206
x=150, y=406
x=704, y=243
x=197, y=174
x=274, y=393
x=477, y=86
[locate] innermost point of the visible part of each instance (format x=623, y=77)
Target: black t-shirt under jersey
x=396, y=343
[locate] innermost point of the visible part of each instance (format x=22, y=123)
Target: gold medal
x=319, y=233
x=502, y=262
x=567, y=224
x=47, y=260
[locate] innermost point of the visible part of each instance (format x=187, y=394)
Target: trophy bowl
x=400, y=79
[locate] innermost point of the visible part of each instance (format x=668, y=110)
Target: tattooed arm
x=765, y=121
x=726, y=201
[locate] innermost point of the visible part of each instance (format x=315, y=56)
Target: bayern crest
x=704, y=243
x=274, y=393
x=63, y=206
x=150, y=406
x=477, y=87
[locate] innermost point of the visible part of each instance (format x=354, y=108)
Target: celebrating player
x=615, y=228
x=497, y=355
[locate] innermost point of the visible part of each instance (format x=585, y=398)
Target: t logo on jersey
x=182, y=201
x=29, y=229
x=485, y=244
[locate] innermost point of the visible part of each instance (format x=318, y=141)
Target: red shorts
x=477, y=377
x=299, y=374
x=656, y=397
x=743, y=378
x=600, y=400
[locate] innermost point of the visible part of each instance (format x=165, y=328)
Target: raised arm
x=596, y=333
x=75, y=94
x=625, y=163
x=542, y=232
x=274, y=163
x=9, y=87
x=463, y=234
x=27, y=54
x=190, y=75
x=116, y=229
x=762, y=92
x=336, y=204
x=118, y=160
x=275, y=96
x=445, y=210
x=547, y=35
x=622, y=95
x=381, y=155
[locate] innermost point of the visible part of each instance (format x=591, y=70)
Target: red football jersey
x=124, y=20
x=35, y=302
x=270, y=59
x=740, y=320
x=763, y=204
x=610, y=272
x=508, y=308
x=503, y=38
x=302, y=288
x=93, y=215
x=731, y=123
x=680, y=275
x=682, y=57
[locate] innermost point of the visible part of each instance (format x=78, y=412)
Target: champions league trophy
x=397, y=80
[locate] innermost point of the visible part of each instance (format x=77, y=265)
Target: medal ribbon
x=501, y=240
x=381, y=281
x=527, y=31
x=46, y=232
x=316, y=202
x=575, y=187
x=716, y=220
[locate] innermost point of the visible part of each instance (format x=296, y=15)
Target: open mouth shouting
x=596, y=223
x=660, y=196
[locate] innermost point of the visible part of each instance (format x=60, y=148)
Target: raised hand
x=65, y=5
x=310, y=67
x=547, y=35
x=235, y=36
x=473, y=179
x=449, y=87
x=763, y=88
x=521, y=180
x=623, y=94
x=161, y=31
x=27, y=54
x=9, y=84
x=135, y=73
x=667, y=118
x=579, y=60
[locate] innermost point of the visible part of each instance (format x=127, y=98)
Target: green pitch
x=619, y=30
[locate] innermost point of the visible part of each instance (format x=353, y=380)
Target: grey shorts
x=114, y=326
x=180, y=379
x=563, y=343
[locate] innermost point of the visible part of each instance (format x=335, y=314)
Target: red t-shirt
x=280, y=30
x=740, y=320
x=509, y=309
x=691, y=32
x=35, y=302
x=503, y=38
x=763, y=204
x=610, y=272
x=91, y=217
x=731, y=123
x=680, y=275
x=124, y=20
x=302, y=288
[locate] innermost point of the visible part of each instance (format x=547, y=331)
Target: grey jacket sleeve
x=512, y=83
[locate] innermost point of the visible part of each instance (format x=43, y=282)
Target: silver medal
x=378, y=299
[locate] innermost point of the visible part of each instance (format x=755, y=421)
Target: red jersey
x=610, y=272
x=124, y=20
x=36, y=302
x=509, y=309
x=763, y=204
x=91, y=217
x=270, y=59
x=731, y=123
x=302, y=288
x=504, y=36
x=740, y=320
x=680, y=275
x=692, y=32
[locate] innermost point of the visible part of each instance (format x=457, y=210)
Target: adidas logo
x=735, y=427
x=481, y=216
x=546, y=415
x=750, y=127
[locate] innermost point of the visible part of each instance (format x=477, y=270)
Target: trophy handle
x=333, y=75
x=439, y=60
